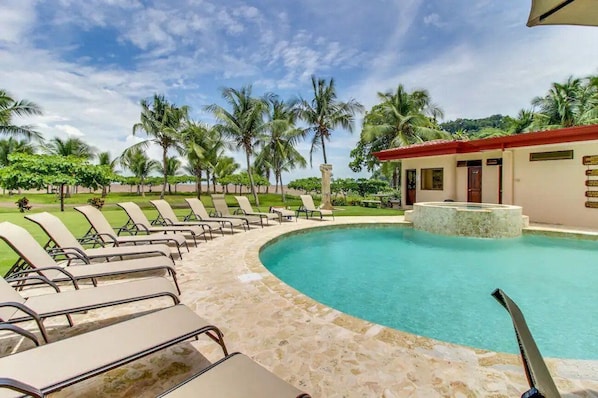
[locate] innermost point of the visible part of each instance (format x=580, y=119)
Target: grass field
x=78, y=225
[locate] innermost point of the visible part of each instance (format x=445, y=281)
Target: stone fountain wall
x=463, y=219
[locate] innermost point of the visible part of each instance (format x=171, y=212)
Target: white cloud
x=433, y=19
x=69, y=130
x=16, y=19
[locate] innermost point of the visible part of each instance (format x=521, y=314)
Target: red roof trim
x=571, y=134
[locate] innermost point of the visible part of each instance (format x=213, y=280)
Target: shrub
x=98, y=203
x=339, y=201
x=23, y=204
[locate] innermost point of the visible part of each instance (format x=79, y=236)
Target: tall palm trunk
x=323, y=148
x=198, y=185
x=164, y=165
x=257, y=201
x=208, y=174
x=282, y=189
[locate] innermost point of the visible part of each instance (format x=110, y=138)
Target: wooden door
x=411, y=187
x=474, y=184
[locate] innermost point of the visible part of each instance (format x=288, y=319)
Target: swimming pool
x=439, y=286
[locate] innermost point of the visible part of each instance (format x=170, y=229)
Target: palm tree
x=243, y=124
x=224, y=167
x=164, y=123
x=402, y=118
x=568, y=104
x=69, y=147
x=203, y=145
x=136, y=160
x=522, y=122
x=172, y=168
x=12, y=145
x=104, y=159
x=325, y=113
x=278, y=151
x=9, y=108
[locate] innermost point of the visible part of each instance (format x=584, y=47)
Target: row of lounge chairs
x=34, y=372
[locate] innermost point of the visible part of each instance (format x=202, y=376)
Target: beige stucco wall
x=448, y=163
x=553, y=191
x=490, y=177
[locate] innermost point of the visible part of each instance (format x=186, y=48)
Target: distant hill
x=474, y=125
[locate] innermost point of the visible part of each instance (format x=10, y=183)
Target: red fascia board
x=443, y=148
x=571, y=134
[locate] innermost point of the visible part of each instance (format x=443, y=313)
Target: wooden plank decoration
x=591, y=194
x=593, y=173
x=591, y=183
x=590, y=160
x=592, y=205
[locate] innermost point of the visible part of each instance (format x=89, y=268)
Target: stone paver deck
x=316, y=348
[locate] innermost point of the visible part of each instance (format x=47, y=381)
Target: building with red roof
x=552, y=174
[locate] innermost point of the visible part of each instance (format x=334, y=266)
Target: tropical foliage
x=325, y=113
x=9, y=108
x=242, y=124
x=163, y=123
x=268, y=130
x=38, y=171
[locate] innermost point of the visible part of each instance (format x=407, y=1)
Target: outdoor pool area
x=439, y=286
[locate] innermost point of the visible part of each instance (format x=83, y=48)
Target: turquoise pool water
x=439, y=286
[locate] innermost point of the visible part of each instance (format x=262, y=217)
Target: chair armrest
x=22, y=281
x=20, y=331
x=190, y=217
x=70, y=253
x=111, y=239
x=34, y=315
x=39, y=270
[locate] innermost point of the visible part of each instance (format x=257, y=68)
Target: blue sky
x=89, y=63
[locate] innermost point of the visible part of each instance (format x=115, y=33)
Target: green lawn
x=79, y=226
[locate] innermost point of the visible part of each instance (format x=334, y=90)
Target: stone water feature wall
x=467, y=219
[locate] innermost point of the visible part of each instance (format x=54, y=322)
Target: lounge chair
x=198, y=212
x=48, y=368
x=223, y=211
x=35, y=260
x=234, y=376
x=246, y=208
x=138, y=222
x=538, y=376
x=283, y=213
x=16, y=308
x=63, y=242
x=167, y=216
x=309, y=208
x=102, y=231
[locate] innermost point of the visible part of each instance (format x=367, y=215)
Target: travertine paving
x=316, y=348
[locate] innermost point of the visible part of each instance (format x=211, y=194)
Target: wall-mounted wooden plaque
x=591, y=183
x=591, y=194
x=590, y=160
x=592, y=205
x=592, y=172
